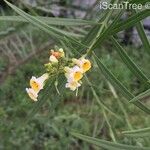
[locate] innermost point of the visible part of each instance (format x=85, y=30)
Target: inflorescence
x=73, y=69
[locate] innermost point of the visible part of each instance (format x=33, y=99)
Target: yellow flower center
x=86, y=66
x=34, y=85
x=77, y=76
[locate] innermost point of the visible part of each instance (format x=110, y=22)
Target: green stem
x=110, y=128
x=103, y=26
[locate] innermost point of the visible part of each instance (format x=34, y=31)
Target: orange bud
x=56, y=54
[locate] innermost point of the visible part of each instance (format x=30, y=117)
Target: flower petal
x=53, y=59
x=32, y=94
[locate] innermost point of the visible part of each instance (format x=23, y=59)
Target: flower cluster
x=75, y=73
x=56, y=55
x=73, y=69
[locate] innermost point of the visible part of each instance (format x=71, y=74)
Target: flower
x=32, y=94
x=53, y=59
x=73, y=85
x=38, y=83
x=73, y=74
x=83, y=63
x=55, y=55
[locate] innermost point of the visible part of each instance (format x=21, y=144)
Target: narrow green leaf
x=106, y=144
x=56, y=33
x=126, y=115
x=131, y=21
x=111, y=131
x=106, y=32
x=141, y=96
x=97, y=30
x=32, y=20
x=143, y=37
x=51, y=20
x=138, y=133
x=129, y=63
x=93, y=31
x=122, y=25
x=102, y=28
x=119, y=86
x=91, y=35
x=100, y=102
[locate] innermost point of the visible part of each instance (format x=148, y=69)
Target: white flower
x=73, y=74
x=38, y=83
x=83, y=63
x=32, y=94
x=73, y=85
x=53, y=59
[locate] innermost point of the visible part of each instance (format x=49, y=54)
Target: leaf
x=138, y=133
x=56, y=33
x=141, y=96
x=106, y=32
x=122, y=25
x=129, y=63
x=119, y=86
x=103, y=26
x=51, y=20
x=131, y=21
x=100, y=102
x=111, y=130
x=106, y=144
x=143, y=37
